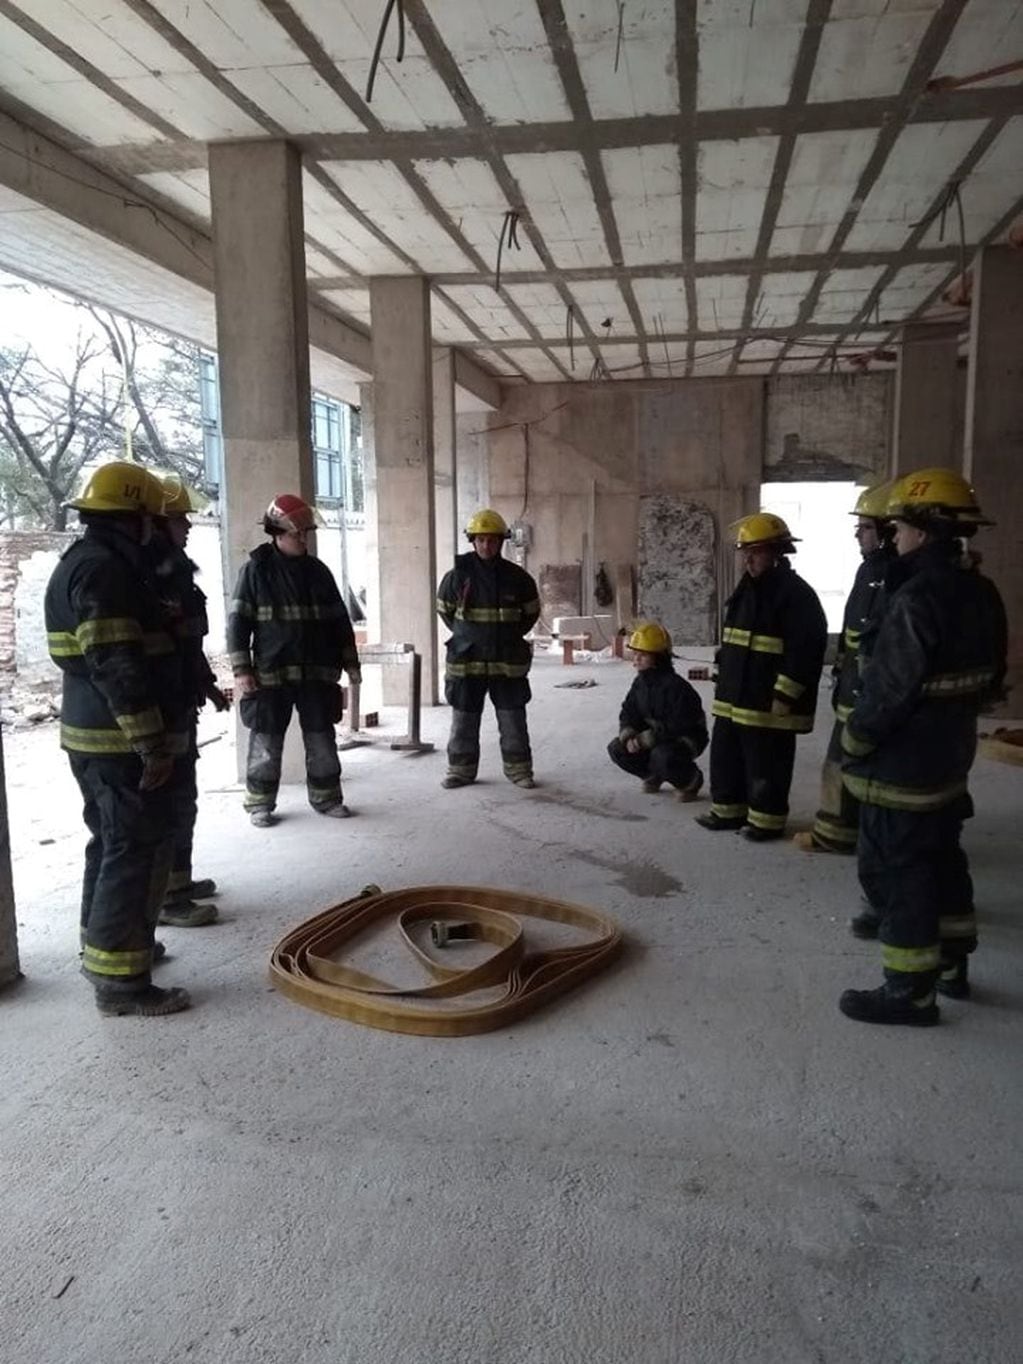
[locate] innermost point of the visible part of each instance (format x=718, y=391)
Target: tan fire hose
x=305, y=966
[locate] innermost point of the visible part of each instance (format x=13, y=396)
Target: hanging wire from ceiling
x=621, y=33
x=570, y=335
x=381, y=34
x=510, y=236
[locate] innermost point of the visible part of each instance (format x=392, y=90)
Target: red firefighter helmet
x=290, y=512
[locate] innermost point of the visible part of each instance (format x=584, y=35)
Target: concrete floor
x=695, y=1158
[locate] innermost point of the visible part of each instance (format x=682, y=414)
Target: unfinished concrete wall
x=573, y=461
x=677, y=567
x=828, y=428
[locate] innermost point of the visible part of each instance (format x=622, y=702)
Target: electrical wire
x=569, y=337
x=621, y=32
x=381, y=34
x=509, y=234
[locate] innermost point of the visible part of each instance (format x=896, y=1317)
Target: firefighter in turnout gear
x=837, y=821
x=768, y=669
x=121, y=718
x=289, y=636
x=489, y=605
x=662, y=729
x=185, y=603
x=939, y=655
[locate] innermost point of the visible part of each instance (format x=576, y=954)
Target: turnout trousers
x=467, y=696
x=837, y=822
x=267, y=715
x=670, y=762
x=751, y=773
x=184, y=797
x=915, y=873
x=127, y=866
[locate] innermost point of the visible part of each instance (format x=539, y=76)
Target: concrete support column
x=9, y=968
x=928, y=424
x=262, y=345
x=445, y=468
x=994, y=433
x=403, y=458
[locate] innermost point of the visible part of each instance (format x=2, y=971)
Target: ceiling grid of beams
x=704, y=186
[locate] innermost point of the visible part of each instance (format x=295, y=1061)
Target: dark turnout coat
x=662, y=707
x=772, y=652
x=939, y=655
x=489, y=606
x=288, y=625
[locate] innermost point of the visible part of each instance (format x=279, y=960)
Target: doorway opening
x=828, y=555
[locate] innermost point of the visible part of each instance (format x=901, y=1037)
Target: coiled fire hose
x=306, y=964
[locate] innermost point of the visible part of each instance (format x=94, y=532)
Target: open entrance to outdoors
x=828, y=555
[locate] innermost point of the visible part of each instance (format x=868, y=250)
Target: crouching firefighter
x=837, y=822
x=939, y=655
x=120, y=713
x=769, y=666
x=185, y=604
x=489, y=605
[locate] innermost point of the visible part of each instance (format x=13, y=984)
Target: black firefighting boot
x=902, y=999
x=651, y=786
x=866, y=924
x=755, y=833
x=954, y=981
x=182, y=913
x=199, y=890
x=716, y=824
x=137, y=997
x=692, y=790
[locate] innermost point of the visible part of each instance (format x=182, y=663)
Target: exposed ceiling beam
x=475, y=380
x=817, y=16
x=687, y=64
x=723, y=334
x=914, y=87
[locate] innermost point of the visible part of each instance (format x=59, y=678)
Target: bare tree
x=56, y=420
x=52, y=423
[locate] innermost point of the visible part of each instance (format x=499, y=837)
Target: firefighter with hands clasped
x=768, y=669
x=938, y=657
x=489, y=605
x=836, y=823
x=123, y=725
x=662, y=729
x=289, y=636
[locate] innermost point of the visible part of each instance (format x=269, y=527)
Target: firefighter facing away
x=662, y=729
x=939, y=655
x=185, y=603
x=289, y=636
x=489, y=605
x=122, y=721
x=836, y=823
x=769, y=665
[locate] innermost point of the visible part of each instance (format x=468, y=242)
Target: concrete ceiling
x=704, y=186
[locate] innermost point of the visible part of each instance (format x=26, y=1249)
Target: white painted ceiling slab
x=599, y=300
x=733, y=181
x=430, y=200
x=868, y=55
x=662, y=303
x=747, y=52
x=502, y=54
x=540, y=368
x=645, y=81
x=646, y=187
x=822, y=179
x=921, y=164
x=470, y=194
x=720, y=300
x=559, y=200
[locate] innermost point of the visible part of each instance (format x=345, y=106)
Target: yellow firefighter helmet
x=487, y=522
x=873, y=501
x=179, y=498
x=650, y=638
x=121, y=487
x=762, y=528
x=935, y=494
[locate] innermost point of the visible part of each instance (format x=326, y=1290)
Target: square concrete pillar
x=403, y=460
x=994, y=433
x=929, y=385
x=262, y=347
x=445, y=468
x=9, y=967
